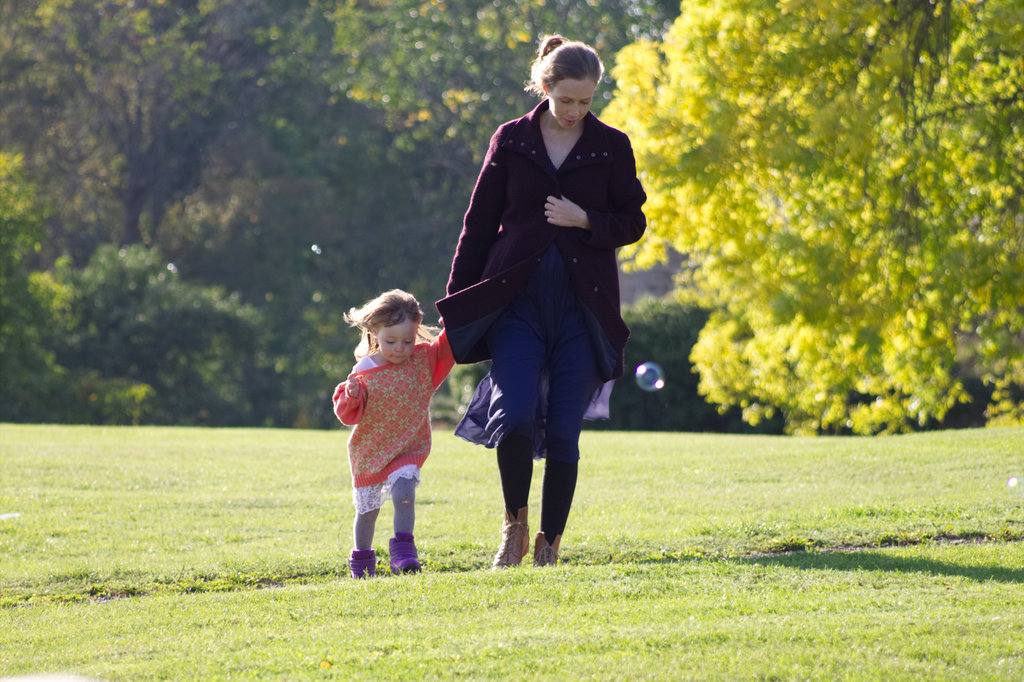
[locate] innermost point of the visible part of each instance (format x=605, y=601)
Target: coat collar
x=594, y=145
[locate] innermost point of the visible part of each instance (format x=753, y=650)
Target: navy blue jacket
x=505, y=232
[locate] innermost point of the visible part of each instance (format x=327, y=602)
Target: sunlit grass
x=141, y=553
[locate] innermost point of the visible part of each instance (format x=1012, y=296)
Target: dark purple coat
x=505, y=232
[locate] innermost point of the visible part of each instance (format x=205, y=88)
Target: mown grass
x=147, y=553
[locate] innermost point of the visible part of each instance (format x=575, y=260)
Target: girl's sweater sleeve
x=349, y=410
x=441, y=359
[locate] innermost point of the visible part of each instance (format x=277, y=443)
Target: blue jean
x=544, y=370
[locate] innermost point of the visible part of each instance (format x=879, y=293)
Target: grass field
x=162, y=553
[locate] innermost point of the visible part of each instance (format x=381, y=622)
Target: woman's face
x=570, y=101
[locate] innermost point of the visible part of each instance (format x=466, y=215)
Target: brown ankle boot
x=515, y=540
x=545, y=554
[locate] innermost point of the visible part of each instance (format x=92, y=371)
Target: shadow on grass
x=877, y=561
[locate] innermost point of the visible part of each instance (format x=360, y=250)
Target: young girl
x=387, y=399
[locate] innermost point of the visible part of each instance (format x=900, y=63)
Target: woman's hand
x=564, y=213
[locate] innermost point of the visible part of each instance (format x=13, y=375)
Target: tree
x=144, y=347
x=206, y=130
x=847, y=179
x=439, y=77
x=234, y=136
x=27, y=306
x=118, y=106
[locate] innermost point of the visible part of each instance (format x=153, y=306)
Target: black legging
x=515, y=466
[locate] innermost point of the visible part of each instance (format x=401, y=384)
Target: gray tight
x=403, y=495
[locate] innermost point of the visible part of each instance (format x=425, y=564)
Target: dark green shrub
x=664, y=331
x=142, y=346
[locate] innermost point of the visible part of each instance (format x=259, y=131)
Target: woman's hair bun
x=550, y=44
x=559, y=58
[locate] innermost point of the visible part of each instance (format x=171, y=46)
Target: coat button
x=575, y=259
x=504, y=281
x=595, y=288
x=578, y=157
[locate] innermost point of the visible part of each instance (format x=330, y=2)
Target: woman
x=534, y=287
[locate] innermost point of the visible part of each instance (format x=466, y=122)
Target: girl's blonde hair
x=390, y=308
x=559, y=58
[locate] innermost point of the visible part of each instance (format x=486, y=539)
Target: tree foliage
x=296, y=156
x=143, y=346
x=439, y=77
x=122, y=105
x=26, y=309
x=847, y=180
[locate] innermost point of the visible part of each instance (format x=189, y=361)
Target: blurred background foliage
x=191, y=193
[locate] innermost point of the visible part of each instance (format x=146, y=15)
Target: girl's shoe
x=363, y=563
x=545, y=554
x=515, y=540
x=404, y=558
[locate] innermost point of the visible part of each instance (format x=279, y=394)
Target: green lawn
x=148, y=553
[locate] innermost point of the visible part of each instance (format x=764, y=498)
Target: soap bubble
x=315, y=249
x=650, y=376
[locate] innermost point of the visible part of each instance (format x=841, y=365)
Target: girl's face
x=397, y=342
x=570, y=101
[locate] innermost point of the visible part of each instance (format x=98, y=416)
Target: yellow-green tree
x=27, y=304
x=846, y=178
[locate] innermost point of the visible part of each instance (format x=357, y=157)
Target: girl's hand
x=564, y=213
x=352, y=389
x=349, y=389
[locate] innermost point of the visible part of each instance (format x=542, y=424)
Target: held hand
x=564, y=213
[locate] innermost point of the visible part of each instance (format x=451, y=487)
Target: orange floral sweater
x=391, y=415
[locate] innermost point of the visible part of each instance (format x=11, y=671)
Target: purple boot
x=404, y=558
x=363, y=563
